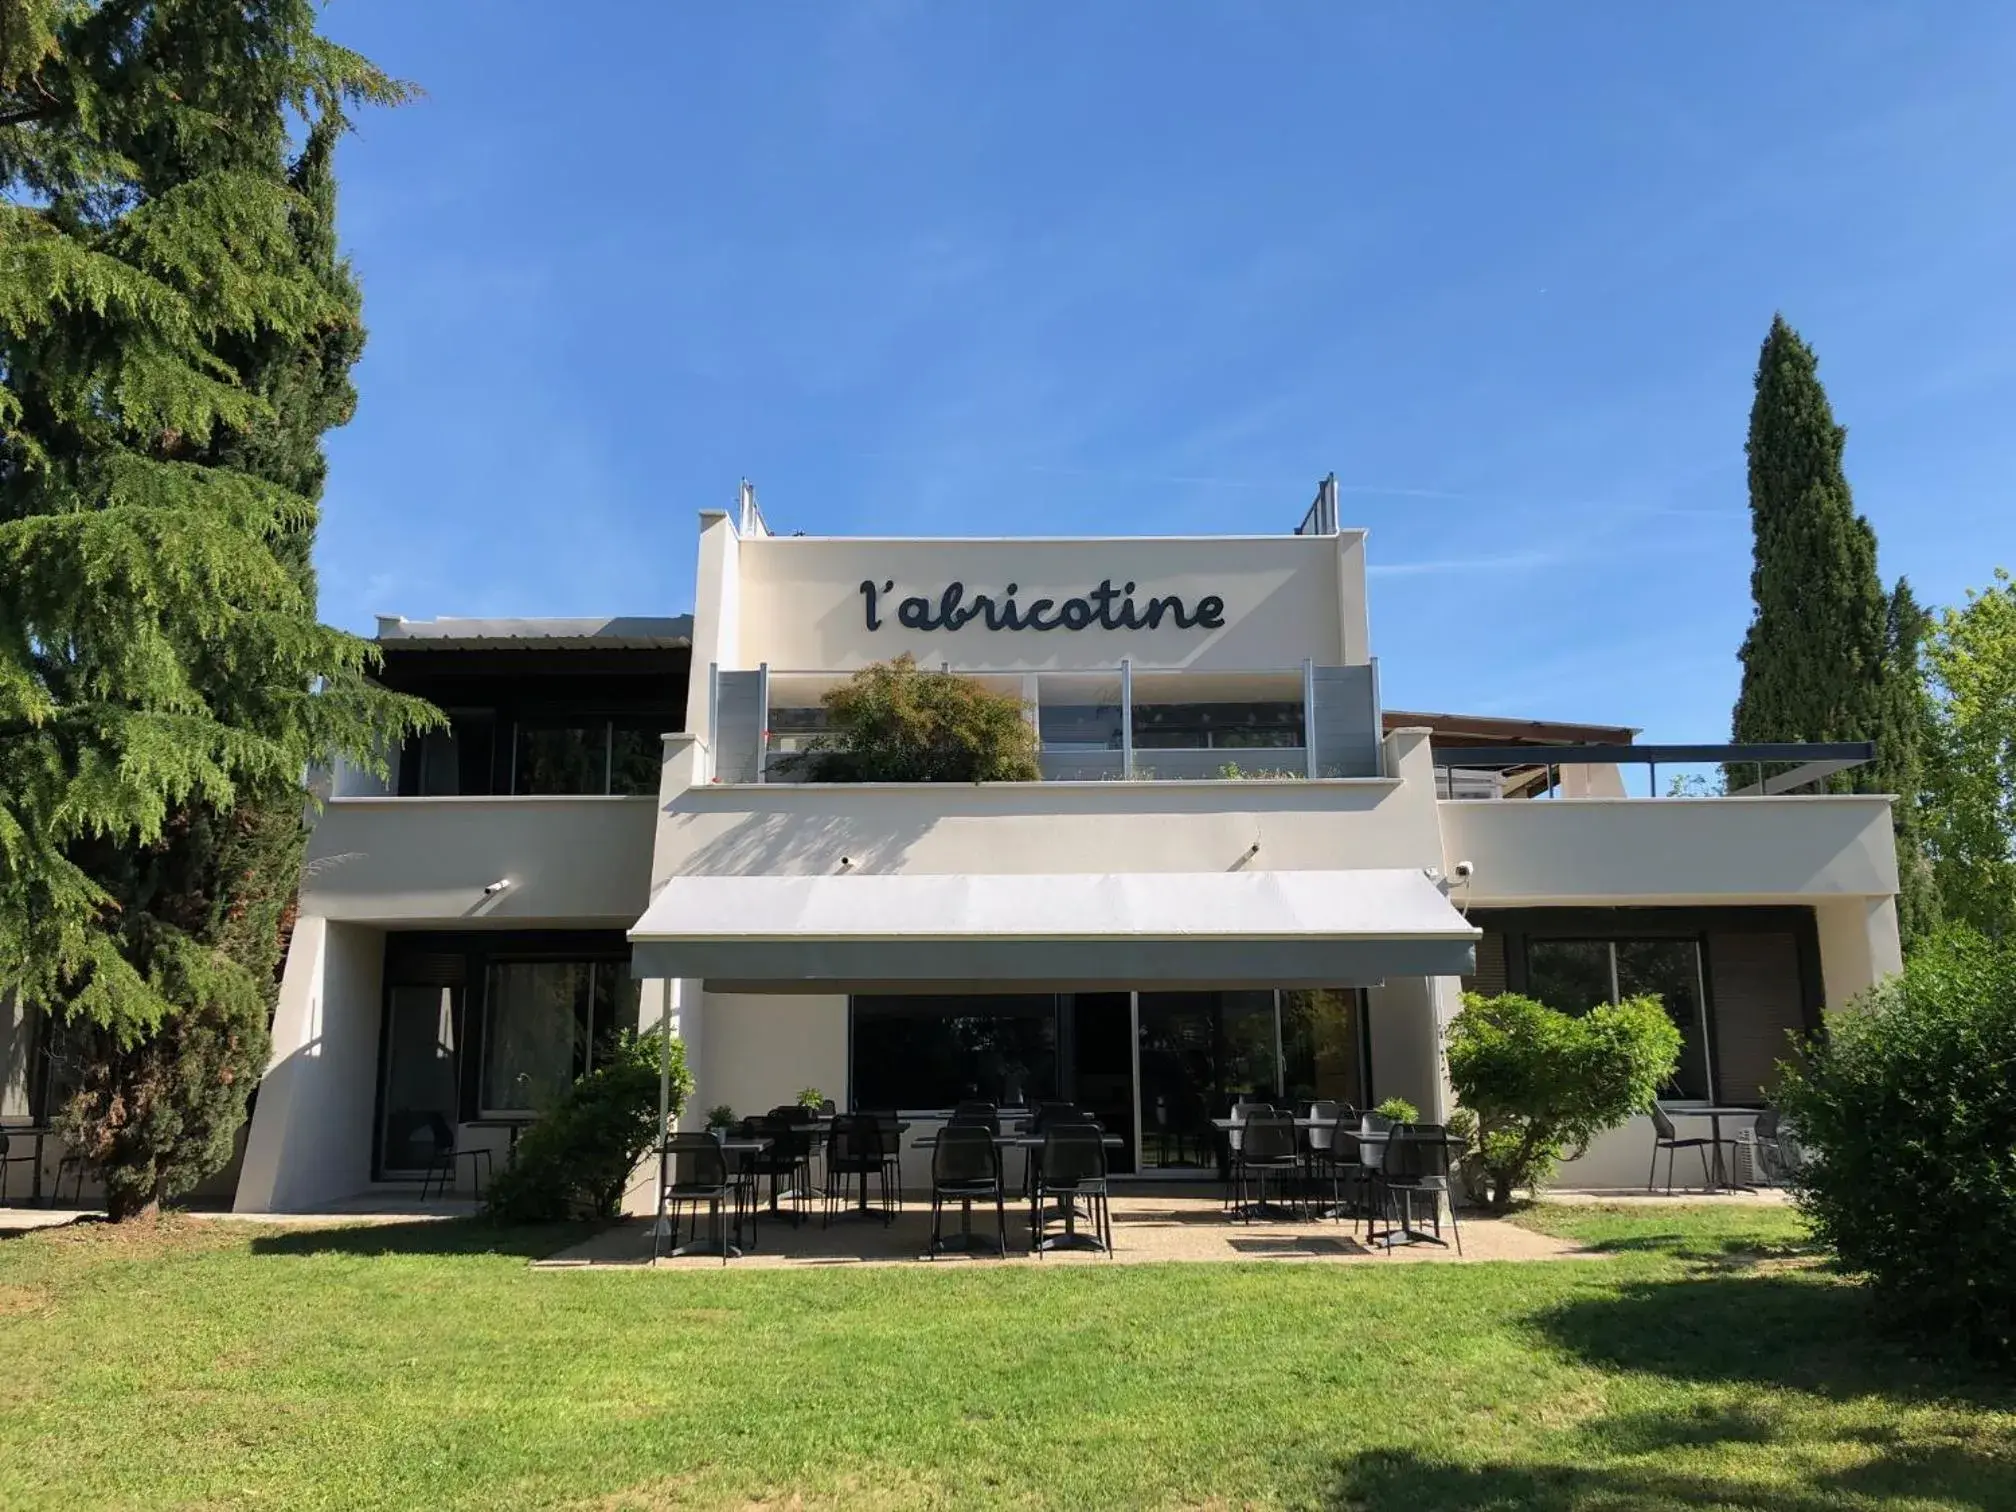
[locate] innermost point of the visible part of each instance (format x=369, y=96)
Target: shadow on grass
x=447, y=1236
x=1796, y=1329
x=1403, y=1481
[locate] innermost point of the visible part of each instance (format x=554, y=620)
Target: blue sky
x=1156, y=268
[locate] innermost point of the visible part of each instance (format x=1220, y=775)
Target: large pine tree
x=176, y=333
x=1830, y=655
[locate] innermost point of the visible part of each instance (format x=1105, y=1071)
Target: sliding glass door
x=420, y=1086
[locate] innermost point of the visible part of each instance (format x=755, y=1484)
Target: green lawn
x=1704, y=1363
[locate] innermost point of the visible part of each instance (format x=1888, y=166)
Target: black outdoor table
x=1718, y=1173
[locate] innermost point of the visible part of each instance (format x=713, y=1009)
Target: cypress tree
x=1829, y=654
x=176, y=334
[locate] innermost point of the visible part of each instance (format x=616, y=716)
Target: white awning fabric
x=1239, y=928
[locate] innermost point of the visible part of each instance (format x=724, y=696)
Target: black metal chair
x=442, y=1162
x=857, y=1147
x=1666, y=1137
x=1071, y=1169
x=693, y=1168
x=786, y=1161
x=9, y=1157
x=1267, y=1147
x=966, y=1168
x=1319, y=1147
x=1417, y=1161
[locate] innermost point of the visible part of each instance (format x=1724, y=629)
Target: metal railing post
x=1126, y=718
x=1309, y=717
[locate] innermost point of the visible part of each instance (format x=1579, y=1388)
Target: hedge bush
x=1540, y=1084
x=575, y=1161
x=1906, y=1112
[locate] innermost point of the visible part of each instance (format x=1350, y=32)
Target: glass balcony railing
x=1634, y=771
x=1115, y=724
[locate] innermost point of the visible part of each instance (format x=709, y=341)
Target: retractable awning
x=1052, y=931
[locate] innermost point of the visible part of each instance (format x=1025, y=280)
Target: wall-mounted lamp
x=496, y=887
x=846, y=862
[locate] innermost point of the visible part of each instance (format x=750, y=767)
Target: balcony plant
x=811, y=1098
x=720, y=1118
x=895, y=722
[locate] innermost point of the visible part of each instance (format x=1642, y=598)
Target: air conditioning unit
x=1745, y=1167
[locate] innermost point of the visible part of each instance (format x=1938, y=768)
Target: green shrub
x=1542, y=1084
x=1906, y=1113
x=1398, y=1110
x=894, y=722
x=577, y=1159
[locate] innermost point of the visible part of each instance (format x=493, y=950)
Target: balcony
x=1119, y=724
x=1559, y=825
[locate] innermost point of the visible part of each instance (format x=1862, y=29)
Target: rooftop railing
x=1774, y=767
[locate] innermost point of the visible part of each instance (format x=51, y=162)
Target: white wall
x=1286, y=598
x=1045, y=827
x=761, y=1051
x=1404, y=1021
x=310, y=1140
x=1858, y=946
x=571, y=860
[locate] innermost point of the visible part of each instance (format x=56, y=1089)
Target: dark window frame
x=1517, y=925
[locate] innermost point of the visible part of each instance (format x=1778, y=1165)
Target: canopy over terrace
x=1046, y=931
x=867, y=932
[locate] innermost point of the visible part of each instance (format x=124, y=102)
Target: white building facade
x=1239, y=875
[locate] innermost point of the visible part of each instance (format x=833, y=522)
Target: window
x=547, y=1022
x=577, y=755
x=1573, y=976
x=937, y=1050
x=1217, y=727
x=445, y=763
x=1322, y=1045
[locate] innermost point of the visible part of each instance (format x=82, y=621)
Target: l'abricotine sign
x=1106, y=607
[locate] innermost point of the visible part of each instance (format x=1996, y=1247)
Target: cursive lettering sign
x=1107, y=607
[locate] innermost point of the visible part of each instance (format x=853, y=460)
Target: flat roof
x=594, y=632
x=1493, y=730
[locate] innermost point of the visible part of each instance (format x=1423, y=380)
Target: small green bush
x=1541, y=1084
x=1906, y=1112
x=1398, y=1110
x=577, y=1159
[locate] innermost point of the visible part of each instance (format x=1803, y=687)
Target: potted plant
x=720, y=1119
x=1398, y=1110
x=811, y=1099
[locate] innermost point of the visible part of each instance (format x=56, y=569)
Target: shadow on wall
x=805, y=845
x=805, y=829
